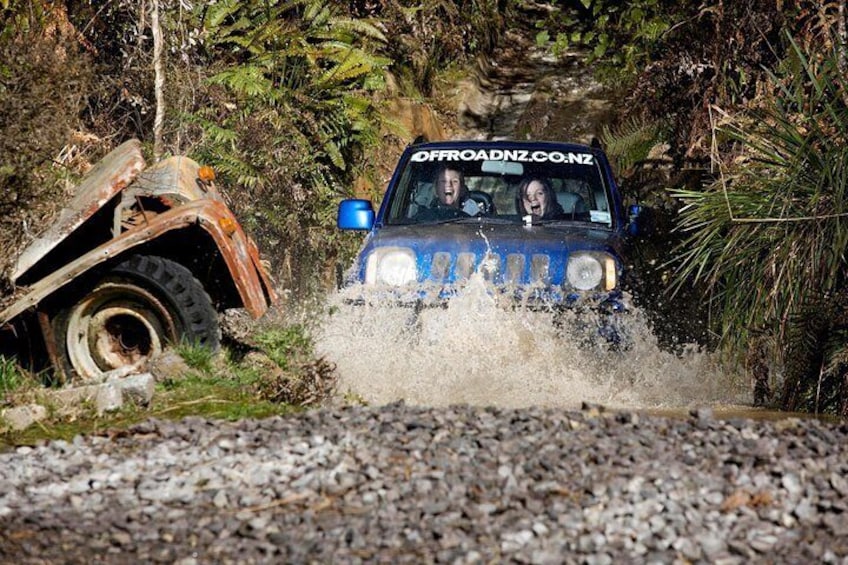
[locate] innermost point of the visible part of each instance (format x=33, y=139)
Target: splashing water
x=476, y=352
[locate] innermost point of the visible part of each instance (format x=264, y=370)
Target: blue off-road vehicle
x=542, y=223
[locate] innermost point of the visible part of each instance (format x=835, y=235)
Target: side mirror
x=638, y=220
x=355, y=214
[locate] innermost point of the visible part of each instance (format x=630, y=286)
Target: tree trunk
x=843, y=36
x=159, y=82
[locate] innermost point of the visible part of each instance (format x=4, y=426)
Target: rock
x=839, y=484
x=22, y=417
x=137, y=389
x=68, y=400
x=168, y=366
x=108, y=398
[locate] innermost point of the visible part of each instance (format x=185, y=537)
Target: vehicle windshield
x=518, y=185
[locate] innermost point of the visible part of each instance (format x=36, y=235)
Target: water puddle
x=477, y=352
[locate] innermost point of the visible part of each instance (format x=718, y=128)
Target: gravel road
x=460, y=485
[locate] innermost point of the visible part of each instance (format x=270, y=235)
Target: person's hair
x=522, y=192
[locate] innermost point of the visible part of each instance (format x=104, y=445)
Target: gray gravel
x=457, y=485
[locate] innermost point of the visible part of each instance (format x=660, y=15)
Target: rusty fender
x=238, y=250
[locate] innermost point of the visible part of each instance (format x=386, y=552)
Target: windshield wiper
x=456, y=220
x=566, y=220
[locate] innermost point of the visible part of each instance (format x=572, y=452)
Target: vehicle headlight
x=588, y=271
x=394, y=266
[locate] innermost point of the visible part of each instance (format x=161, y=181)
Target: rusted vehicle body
x=139, y=258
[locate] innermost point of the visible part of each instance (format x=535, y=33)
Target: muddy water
x=478, y=352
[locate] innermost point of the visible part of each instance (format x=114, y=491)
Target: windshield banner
x=519, y=155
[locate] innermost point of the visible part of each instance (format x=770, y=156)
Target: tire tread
x=187, y=293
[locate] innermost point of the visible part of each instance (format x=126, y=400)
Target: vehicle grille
x=513, y=269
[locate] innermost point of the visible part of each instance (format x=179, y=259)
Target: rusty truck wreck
x=139, y=258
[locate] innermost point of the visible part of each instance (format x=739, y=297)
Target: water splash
x=477, y=352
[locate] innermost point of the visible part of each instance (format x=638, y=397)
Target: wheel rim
x=117, y=326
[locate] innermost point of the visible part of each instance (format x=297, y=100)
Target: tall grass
x=11, y=377
x=768, y=236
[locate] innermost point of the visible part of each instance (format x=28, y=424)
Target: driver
x=450, y=187
x=452, y=199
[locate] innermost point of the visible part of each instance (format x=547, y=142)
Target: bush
x=44, y=77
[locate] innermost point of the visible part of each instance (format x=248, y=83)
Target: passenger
x=535, y=197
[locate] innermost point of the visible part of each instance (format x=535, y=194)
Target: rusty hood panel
x=108, y=177
x=175, y=177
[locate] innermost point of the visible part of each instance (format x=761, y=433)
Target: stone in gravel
x=486, y=508
x=714, y=498
x=711, y=544
x=601, y=559
x=512, y=542
x=837, y=523
x=792, y=484
x=416, y=499
x=121, y=538
x=542, y=557
x=839, y=483
x=221, y=500
x=540, y=529
x=762, y=542
x=729, y=560
x=805, y=511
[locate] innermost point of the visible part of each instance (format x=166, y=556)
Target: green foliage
x=282, y=345
x=205, y=396
x=623, y=35
x=431, y=35
x=11, y=376
x=768, y=237
x=668, y=61
x=196, y=357
x=298, y=59
x=235, y=387
x=290, y=109
x=631, y=141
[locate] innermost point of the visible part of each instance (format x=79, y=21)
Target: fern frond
x=349, y=69
x=334, y=154
x=348, y=29
x=246, y=80
x=630, y=142
x=218, y=12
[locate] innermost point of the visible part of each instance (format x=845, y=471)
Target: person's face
x=448, y=187
x=535, y=199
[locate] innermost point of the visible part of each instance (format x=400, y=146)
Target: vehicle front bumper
x=518, y=297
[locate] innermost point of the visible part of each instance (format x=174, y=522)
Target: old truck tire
x=130, y=315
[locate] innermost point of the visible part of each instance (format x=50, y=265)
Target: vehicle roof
x=466, y=143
